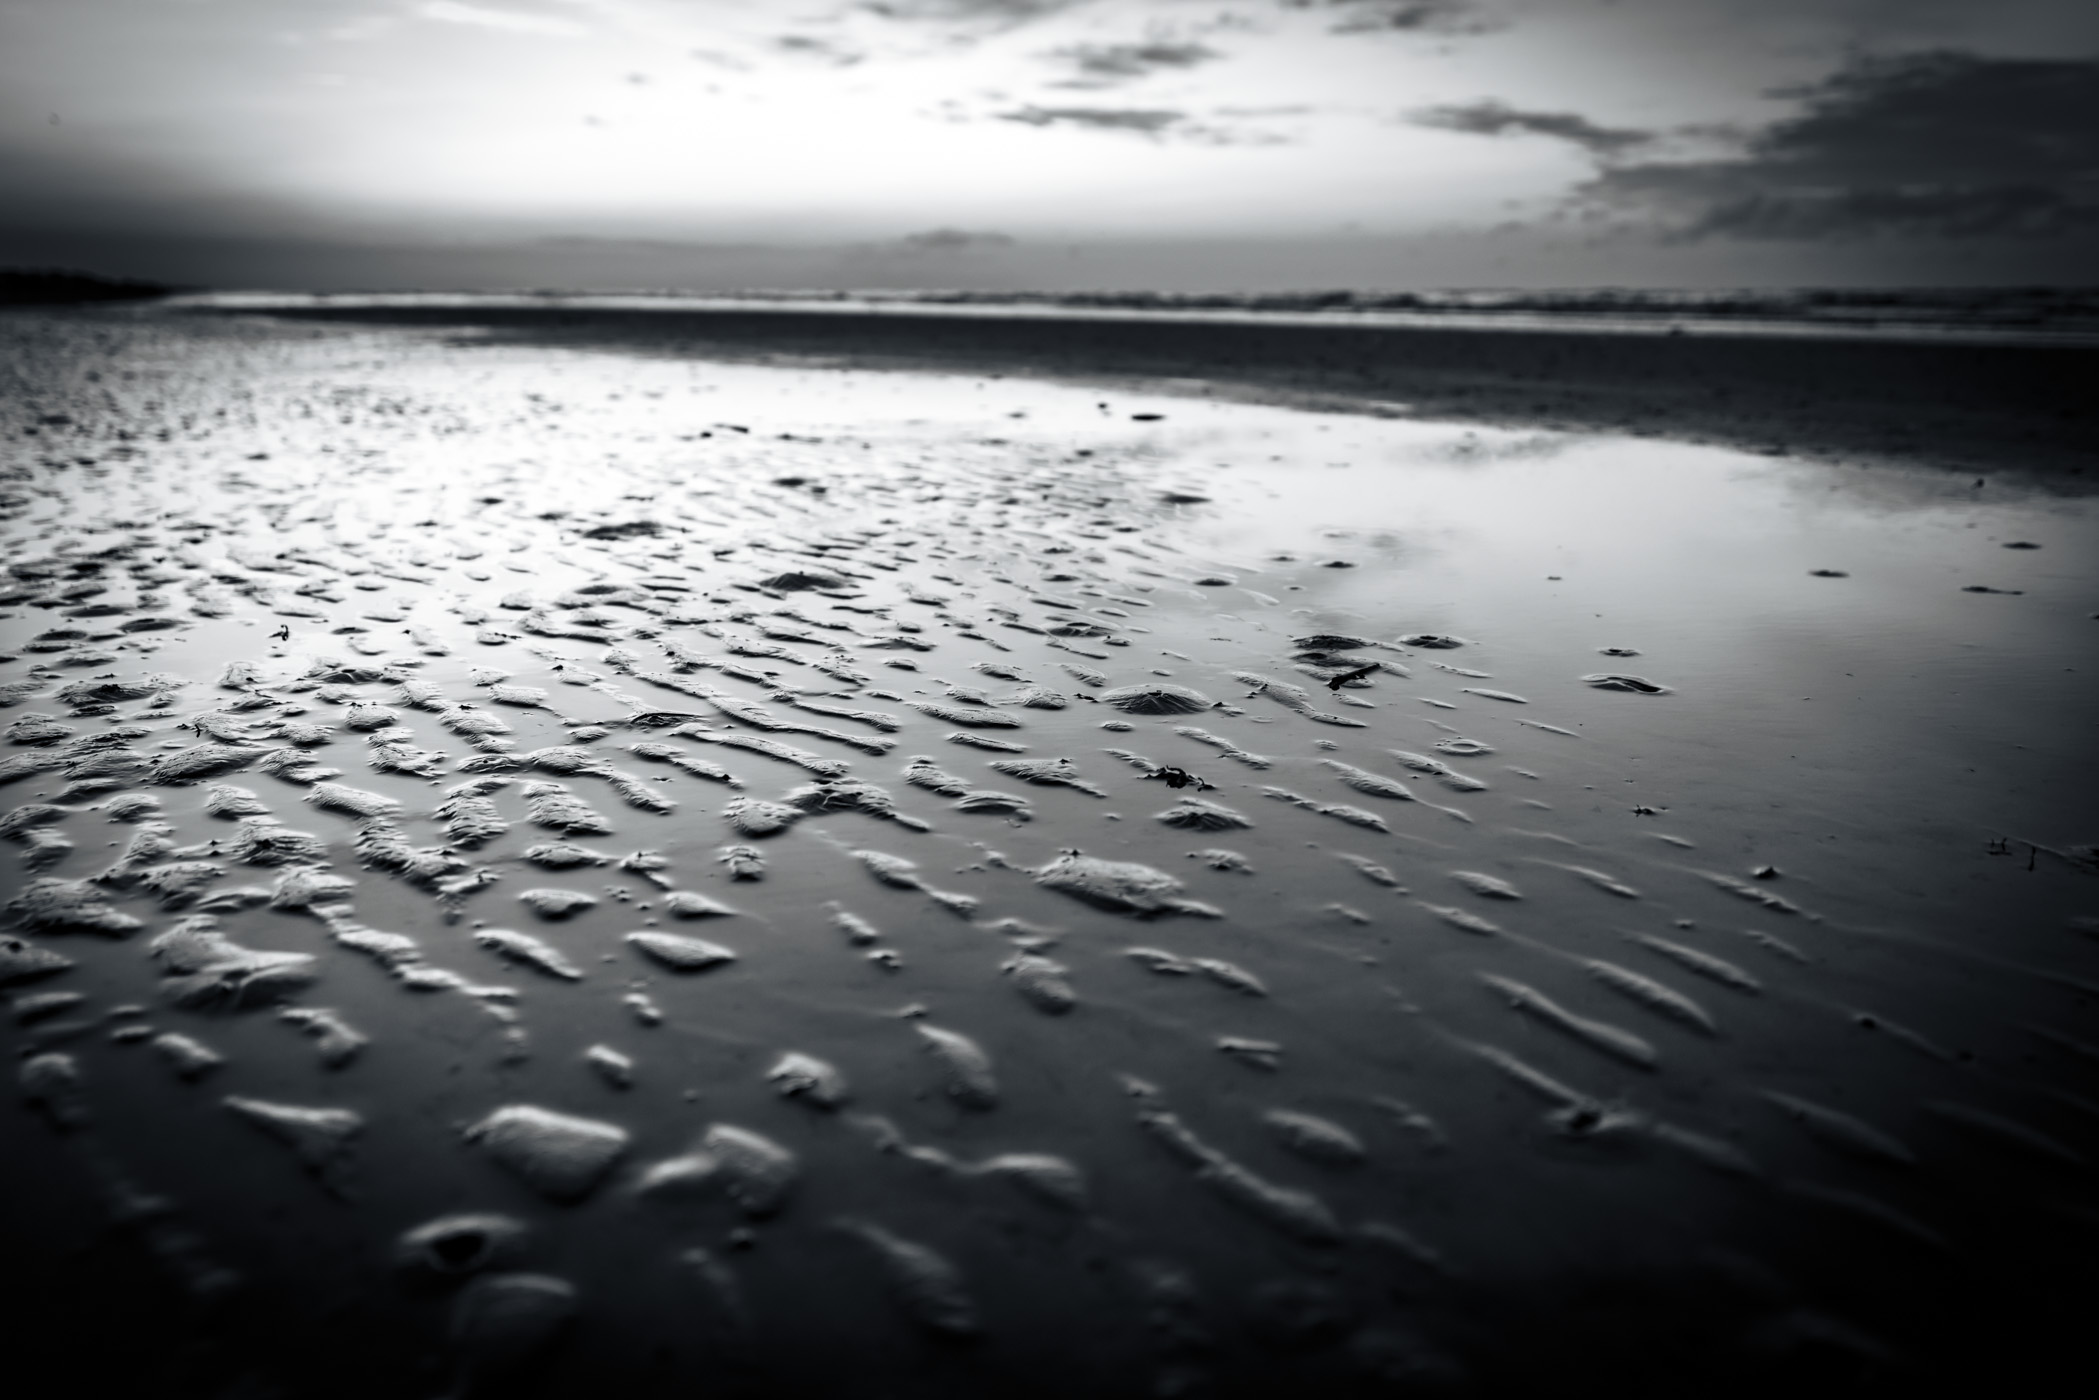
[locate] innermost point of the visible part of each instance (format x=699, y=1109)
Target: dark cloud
x=1102, y=64
x=1499, y=119
x=998, y=12
x=1943, y=145
x=1154, y=122
x=823, y=50
x=1415, y=16
x=1150, y=121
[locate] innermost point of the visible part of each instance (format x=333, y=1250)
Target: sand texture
x=537, y=869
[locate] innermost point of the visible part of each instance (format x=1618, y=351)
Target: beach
x=1962, y=395
x=778, y=851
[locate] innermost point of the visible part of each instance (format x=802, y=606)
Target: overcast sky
x=1182, y=144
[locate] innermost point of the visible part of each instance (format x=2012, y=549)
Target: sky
x=1183, y=145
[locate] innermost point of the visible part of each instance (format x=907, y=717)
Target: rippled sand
x=540, y=871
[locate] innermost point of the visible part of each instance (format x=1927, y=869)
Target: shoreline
x=1687, y=319
x=1959, y=406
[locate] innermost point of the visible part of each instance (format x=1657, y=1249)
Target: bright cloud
x=509, y=21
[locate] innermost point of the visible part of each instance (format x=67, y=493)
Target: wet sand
x=545, y=861
x=1979, y=402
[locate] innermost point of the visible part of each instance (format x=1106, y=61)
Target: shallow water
x=1729, y=1034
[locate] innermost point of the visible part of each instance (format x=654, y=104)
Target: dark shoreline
x=58, y=286
x=1973, y=408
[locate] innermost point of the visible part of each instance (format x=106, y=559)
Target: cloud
x=953, y=240
x=1407, y=16
x=823, y=50
x=1938, y=145
x=1102, y=64
x=585, y=242
x=1492, y=118
x=1149, y=121
x=487, y=17
x=1001, y=13
x=1964, y=211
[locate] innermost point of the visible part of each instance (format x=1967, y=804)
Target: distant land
x=2023, y=308
x=2018, y=310
x=53, y=286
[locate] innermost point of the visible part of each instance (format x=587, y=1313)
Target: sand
x=1976, y=400
x=544, y=862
